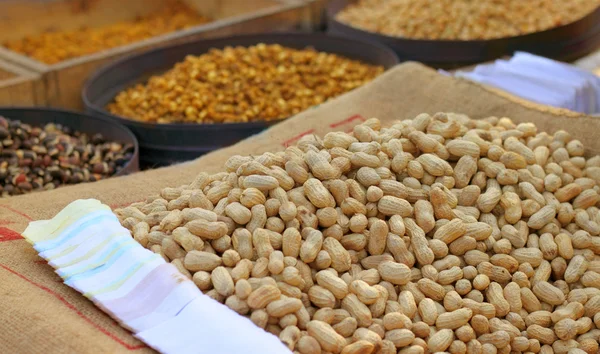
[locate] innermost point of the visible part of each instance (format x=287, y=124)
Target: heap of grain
x=463, y=19
x=436, y=234
x=243, y=84
x=52, y=47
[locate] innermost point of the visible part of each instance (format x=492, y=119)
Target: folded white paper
x=125, y=262
x=215, y=329
x=122, y=287
x=585, y=88
x=95, y=255
x=541, y=80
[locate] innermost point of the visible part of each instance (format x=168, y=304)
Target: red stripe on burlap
x=9, y=235
x=120, y=205
x=71, y=307
x=348, y=120
x=297, y=137
x=332, y=125
x=16, y=212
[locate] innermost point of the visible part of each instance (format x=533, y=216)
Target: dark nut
x=35, y=158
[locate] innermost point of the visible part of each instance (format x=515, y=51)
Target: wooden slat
x=19, y=87
x=5, y=75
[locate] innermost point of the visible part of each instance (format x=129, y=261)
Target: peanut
x=372, y=263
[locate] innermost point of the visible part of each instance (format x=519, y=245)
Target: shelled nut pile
x=463, y=19
x=42, y=158
x=239, y=84
x=52, y=47
x=436, y=234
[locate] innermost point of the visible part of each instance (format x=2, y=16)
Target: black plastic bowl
x=567, y=42
x=110, y=130
x=164, y=144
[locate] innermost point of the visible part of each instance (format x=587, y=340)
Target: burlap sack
x=40, y=314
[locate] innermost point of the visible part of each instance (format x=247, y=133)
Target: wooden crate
x=63, y=81
x=20, y=87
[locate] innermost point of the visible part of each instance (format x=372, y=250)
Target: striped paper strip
x=96, y=256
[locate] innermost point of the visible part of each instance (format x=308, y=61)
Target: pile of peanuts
x=463, y=19
x=439, y=234
x=55, y=46
x=243, y=84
